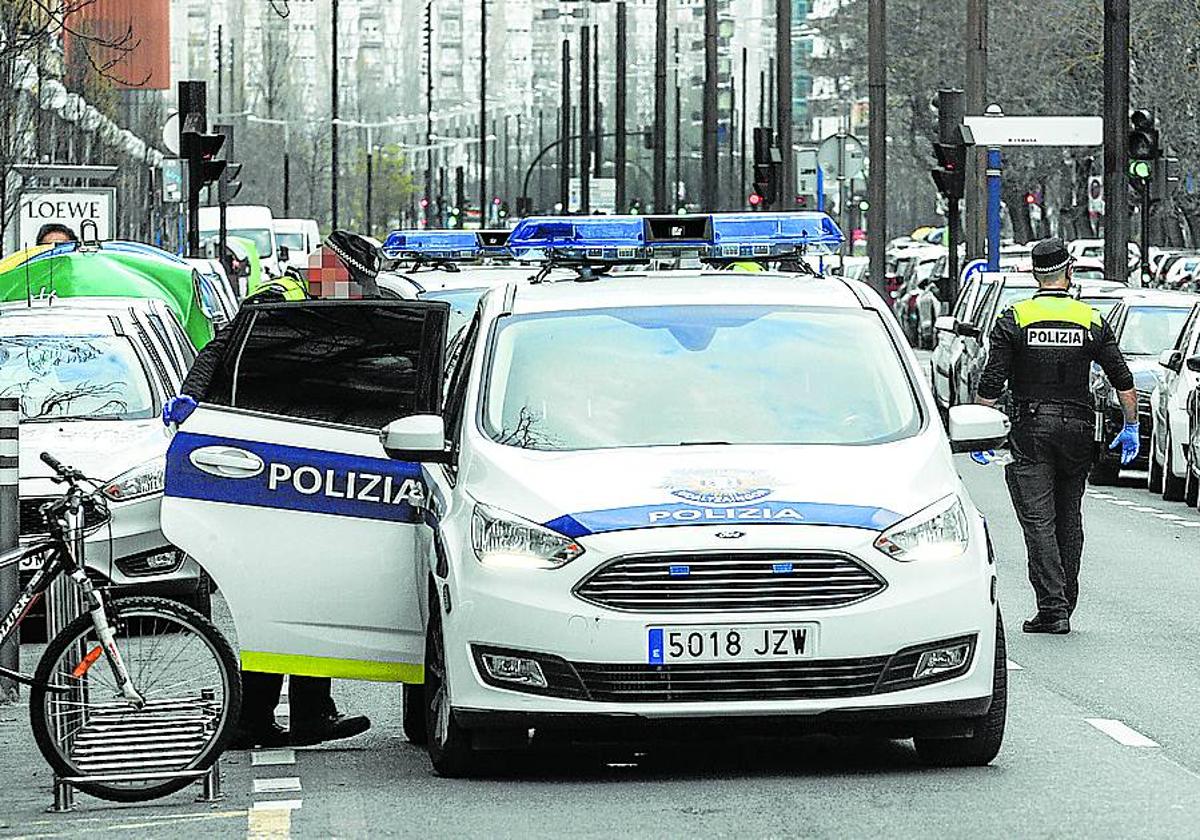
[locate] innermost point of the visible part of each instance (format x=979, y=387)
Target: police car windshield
x=670, y=376
x=462, y=305
x=1149, y=330
x=75, y=377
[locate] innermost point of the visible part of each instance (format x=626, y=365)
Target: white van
x=301, y=238
x=248, y=221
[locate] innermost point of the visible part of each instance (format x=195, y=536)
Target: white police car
x=643, y=500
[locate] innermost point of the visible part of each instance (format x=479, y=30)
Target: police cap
x=1050, y=256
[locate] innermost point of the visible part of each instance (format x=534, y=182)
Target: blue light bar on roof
x=602, y=239
x=432, y=245
x=763, y=235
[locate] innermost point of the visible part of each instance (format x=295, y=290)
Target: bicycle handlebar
x=64, y=472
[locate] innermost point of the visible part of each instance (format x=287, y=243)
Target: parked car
x=952, y=331
x=245, y=221
x=217, y=297
x=90, y=377
x=1007, y=290
x=1169, y=431
x=1145, y=324
x=297, y=240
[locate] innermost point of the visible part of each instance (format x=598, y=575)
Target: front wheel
x=412, y=700
x=1172, y=485
x=984, y=743
x=449, y=745
x=184, y=670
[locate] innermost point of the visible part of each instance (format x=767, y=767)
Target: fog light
x=514, y=669
x=941, y=660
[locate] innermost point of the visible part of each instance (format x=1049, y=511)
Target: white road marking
x=278, y=805
x=1121, y=502
x=1188, y=524
x=269, y=824
x=1013, y=666
x=1121, y=733
x=272, y=758
x=1168, y=516
x=283, y=784
x=1145, y=509
x=1096, y=495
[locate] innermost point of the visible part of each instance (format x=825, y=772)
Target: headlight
x=503, y=539
x=939, y=532
x=144, y=480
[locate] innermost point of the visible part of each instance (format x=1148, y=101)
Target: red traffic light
x=1031, y=198
x=755, y=199
x=424, y=203
x=496, y=201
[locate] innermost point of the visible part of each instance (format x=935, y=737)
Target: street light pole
x=619, y=151
x=877, y=102
x=428, y=112
x=483, y=152
x=783, y=96
x=564, y=127
x=1116, y=140
x=585, y=120
x=333, y=107
x=709, y=132
x=660, y=107
x=675, y=197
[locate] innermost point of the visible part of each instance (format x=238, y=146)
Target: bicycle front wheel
x=181, y=665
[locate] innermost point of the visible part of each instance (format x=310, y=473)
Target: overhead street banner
x=71, y=208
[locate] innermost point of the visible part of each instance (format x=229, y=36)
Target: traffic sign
x=837, y=149
x=1033, y=131
x=170, y=133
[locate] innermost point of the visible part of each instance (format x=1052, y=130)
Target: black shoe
x=1037, y=624
x=270, y=736
x=332, y=728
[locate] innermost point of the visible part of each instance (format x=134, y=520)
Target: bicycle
x=162, y=711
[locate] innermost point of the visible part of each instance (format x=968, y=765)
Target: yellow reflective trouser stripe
x=1041, y=309
x=323, y=666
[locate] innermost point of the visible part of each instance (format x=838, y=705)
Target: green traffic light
x=1139, y=169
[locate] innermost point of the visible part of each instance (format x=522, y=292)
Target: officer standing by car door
x=1044, y=348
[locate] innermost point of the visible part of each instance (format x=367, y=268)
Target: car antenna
x=28, y=290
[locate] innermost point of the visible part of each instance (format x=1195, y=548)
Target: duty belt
x=1035, y=408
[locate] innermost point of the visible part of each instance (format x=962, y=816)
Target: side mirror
x=967, y=329
x=1171, y=360
x=421, y=437
x=284, y=253
x=1193, y=363
x=977, y=427
x=946, y=323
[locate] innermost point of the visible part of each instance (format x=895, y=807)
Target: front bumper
x=535, y=611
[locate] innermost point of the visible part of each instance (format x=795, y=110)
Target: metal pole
x=483, y=151
x=731, y=171
x=619, y=151
x=783, y=54
x=711, y=163
x=976, y=96
x=1145, y=261
x=370, y=184
x=541, y=169
x=994, y=172
x=1116, y=139
x=10, y=519
x=660, y=107
x=843, y=216
x=220, y=69
x=507, y=148
x=333, y=126
x=585, y=120
x=877, y=102
x=742, y=188
x=597, y=111
x=677, y=188
x=428, y=113
x=564, y=150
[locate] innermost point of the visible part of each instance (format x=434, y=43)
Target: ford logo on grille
x=730, y=535
x=680, y=571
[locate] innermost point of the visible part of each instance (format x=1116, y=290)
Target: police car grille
x=33, y=525
x=732, y=681
x=730, y=582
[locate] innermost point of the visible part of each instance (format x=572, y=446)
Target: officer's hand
x=984, y=458
x=177, y=409
x=1129, y=443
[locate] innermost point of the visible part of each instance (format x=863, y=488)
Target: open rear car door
x=279, y=486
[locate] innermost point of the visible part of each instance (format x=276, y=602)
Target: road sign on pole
x=838, y=151
x=1033, y=131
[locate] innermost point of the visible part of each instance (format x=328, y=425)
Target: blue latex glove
x=1128, y=441
x=984, y=458
x=177, y=409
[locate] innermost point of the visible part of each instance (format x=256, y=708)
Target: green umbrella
x=112, y=269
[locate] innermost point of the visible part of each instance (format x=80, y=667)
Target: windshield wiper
x=703, y=443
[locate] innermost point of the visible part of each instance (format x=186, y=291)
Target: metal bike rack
x=64, y=602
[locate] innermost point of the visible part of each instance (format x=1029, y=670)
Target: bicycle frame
x=61, y=561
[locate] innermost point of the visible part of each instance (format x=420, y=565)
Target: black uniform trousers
x=1052, y=453
x=309, y=698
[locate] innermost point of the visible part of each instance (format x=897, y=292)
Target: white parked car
x=1169, y=427
x=650, y=498
x=246, y=221
x=297, y=240
x=91, y=375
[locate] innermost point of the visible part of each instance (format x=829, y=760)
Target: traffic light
x=200, y=149
x=767, y=166
x=1031, y=198
x=1143, y=136
x=1164, y=177
x=228, y=185
x=951, y=174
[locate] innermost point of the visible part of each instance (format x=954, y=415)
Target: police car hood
x=102, y=449
x=584, y=492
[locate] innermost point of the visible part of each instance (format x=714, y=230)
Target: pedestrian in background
x=54, y=233
x=1044, y=349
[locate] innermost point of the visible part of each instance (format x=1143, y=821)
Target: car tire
x=1172, y=485
x=983, y=744
x=1191, y=485
x=1105, y=473
x=448, y=744
x=1154, y=472
x=201, y=599
x=412, y=702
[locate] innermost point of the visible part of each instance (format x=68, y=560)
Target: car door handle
x=227, y=462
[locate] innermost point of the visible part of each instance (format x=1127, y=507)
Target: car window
x=1185, y=337
x=982, y=298
x=294, y=242
x=462, y=304
x=160, y=331
x=456, y=391
x=75, y=377
x=1148, y=330
x=350, y=363
x=692, y=375
x=1103, y=305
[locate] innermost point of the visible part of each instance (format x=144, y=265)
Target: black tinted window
x=353, y=363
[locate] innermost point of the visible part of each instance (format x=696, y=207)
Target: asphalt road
x=1132, y=771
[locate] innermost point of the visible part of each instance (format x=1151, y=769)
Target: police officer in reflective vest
x=1044, y=348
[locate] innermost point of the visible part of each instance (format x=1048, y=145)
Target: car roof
x=679, y=288
x=1156, y=297
x=46, y=318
